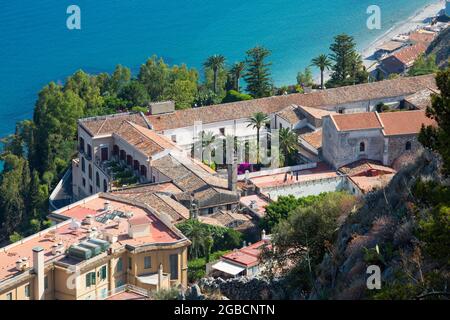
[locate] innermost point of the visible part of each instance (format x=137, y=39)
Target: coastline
x=417, y=20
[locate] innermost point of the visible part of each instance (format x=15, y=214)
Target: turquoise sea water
x=36, y=47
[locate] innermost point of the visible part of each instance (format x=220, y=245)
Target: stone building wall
x=341, y=148
x=397, y=147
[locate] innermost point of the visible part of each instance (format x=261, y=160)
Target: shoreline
x=419, y=19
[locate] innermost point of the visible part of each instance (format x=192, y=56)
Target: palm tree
x=197, y=233
x=216, y=63
x=236, y=70
x=322, y=62
x=288, y=143
x=258, y=120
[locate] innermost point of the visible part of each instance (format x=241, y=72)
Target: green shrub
x=233, y=96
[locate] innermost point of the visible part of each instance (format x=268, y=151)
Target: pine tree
x=348, y=67
x=438, y=138
x=259, y=83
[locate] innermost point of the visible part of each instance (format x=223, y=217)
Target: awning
x=228, y=268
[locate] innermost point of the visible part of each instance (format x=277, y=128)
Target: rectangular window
x=103, y=273
x=90, y=279
x=119, y=266
x=147, y=262
x=84, y=182
x=104, y=293
x=89, y=151
x=27, y=291
x=9, y=296
x=129, y=264
x=81, y=144
x=45, y=282
x=173, y=266
x=222, y=131
x=119, y=283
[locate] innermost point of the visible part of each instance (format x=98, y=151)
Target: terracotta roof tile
x=424, y=37
x=143, y=139
x=291, y=114
x=409, y=54
x=404, y=122
x=106, y=125
x=313, y=138
x=319, y=99
x=356, y=121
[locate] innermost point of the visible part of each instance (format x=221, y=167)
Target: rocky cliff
x=382, y=232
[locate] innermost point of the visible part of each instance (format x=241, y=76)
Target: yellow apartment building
x=103, y=245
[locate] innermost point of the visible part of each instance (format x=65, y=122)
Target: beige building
x=98, y=247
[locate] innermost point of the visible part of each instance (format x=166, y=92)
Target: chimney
x=160, y=276
x=38, y=268
x=232, y=174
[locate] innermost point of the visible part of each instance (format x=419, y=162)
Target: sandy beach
x=419, y=19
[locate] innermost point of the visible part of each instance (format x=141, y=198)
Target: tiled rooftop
x=356, y=121
x=409, y=54
x=313, y=138
x=160, y=201
x=260, y=203
x=315, y=112
x=319, y=99
x=107, y=125
x=322, y=171
x=362, y=166
x=422, y=99
x=143, y=139
x=248, y=256
x=291, y=114
x=190, y=177
x=392, y=123
x=367, y=184
x=63, y=232
x=405, y=122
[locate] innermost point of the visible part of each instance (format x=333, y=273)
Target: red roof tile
x=356, y=121
x=404, y=122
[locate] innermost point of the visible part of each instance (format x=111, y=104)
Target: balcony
x=120, y=174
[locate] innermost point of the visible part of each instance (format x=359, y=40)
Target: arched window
x=105, y=186
x=97, y=180
x=144, y=171
x=136, y=165
x=408, y=146
x=362, y=147
x=116, y=150
x=123, y=155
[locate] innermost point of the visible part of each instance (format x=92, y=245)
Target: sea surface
x=36, y=46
